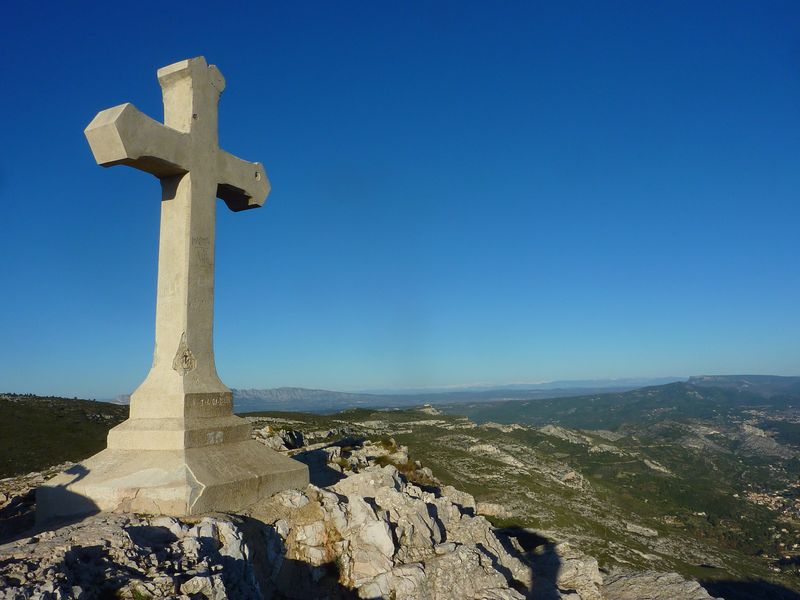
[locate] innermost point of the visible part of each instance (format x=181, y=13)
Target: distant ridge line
x=289, y=398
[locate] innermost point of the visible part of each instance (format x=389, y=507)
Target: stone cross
x=184, y=154
x=182, y=451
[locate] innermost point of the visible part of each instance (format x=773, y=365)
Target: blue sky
x=462, y=192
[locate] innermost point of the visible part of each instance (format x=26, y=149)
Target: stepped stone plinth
x=182, y=451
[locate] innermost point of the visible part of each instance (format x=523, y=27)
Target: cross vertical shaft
x=183, y=357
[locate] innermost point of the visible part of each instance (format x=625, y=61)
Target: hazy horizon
x=573, y=384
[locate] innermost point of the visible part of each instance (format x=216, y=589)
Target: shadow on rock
x=319, y=472
x=150, y=536
x=157, y=564
x=280, y=577
x=19, y=519
x=539, y=554
x=748, y=590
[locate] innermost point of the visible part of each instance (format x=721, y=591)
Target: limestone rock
x=492, y=509
x=369, y=482
x=130, y=557
x=372, y=534
x=505, y=428
x=566, y=435
x=463, y=499
x=641, y=530
x=579, y=572
x=653, y=586
x=464, y=573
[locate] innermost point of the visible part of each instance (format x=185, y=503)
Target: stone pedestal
x=225, y=477
x=199, y=463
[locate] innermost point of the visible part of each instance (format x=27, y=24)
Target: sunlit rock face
x=374, y=530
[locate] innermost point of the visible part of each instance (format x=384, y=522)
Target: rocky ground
x=373, y=524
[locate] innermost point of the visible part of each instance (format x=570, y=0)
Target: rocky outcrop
x=758, y=442
x=373, y=533
x=492, y=509
x=132, y=558
x=561, y=571
x=381, y=526
x=653, y=586
x=391, y=538
x=566, y=435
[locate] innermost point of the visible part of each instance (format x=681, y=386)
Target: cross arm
x=124, y=135
x=241, y=184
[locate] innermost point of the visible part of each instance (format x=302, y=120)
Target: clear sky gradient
x=462, y=192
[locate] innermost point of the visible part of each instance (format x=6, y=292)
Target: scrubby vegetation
x=38, y=432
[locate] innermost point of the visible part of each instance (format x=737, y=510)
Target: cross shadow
x=538, y=553
x=19, y=519
x=748, y=590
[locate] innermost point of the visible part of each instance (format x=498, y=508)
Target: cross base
x=225, y=477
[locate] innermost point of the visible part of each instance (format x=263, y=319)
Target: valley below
x=698, y=478
x=717, y=505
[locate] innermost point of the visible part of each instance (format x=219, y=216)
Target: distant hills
x=326, y=401
x=565, y=384
x=762, y=385
x=696, y=476
x=705, y=397
x=37, y=432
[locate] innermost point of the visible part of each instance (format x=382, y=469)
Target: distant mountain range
x=327, y=401
x=697, y=476
x=627, y=383
x=766, y=386
x=705, y=397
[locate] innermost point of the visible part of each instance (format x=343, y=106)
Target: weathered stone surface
x=653, y=586
x=464, y=573
x=373, y=534
x=578, y=572
x=131, y=557
x=182, y=451
x=462, y=499
x=388, y=536
x=492, y=509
